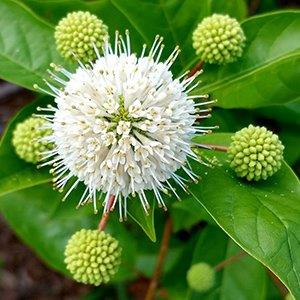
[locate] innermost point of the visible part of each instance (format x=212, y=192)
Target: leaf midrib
x=248, y=72
x=38, y=182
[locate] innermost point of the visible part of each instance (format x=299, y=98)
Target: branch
x=160, y=260
x=105, y=215
x=229, y=261
x=213, y=147
x=253, y=6
x=197, y=68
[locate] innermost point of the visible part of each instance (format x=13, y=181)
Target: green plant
x=260, y=217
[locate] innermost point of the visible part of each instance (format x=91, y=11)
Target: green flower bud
x=255, y=153
x=92, y=256
x=27, y=139
x=77, y=33
x=219, y=39
x=201, y=277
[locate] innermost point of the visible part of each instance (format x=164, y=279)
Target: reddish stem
x=197, y=68
x=105, y=215
x=215, y=147
x=281, y=287
x=229, y=261
x=160, y=260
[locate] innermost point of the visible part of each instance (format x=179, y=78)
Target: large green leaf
x=26, y=45
x=43, y=222
x=174, y=20
x=268, y=72
x=262, y=217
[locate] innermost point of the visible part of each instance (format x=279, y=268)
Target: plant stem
x=220, y=148
x=229, y=261
x=105, y=215
x=253, y=6
x=197, y=68
x=281, y=287
x=160, y=260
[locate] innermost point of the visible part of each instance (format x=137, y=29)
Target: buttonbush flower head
x=201, y=277
x=78, y=33
x=219, y=39
x=92, y=256
x=28, y=139
x=255, y=153
x=124, y=125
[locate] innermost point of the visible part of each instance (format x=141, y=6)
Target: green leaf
x=26, y=45
x=15, y=174
x=261, y=217
x=45, y=224
x=136, y=212
x=174, y=20
x=244, y=278
x=288, y=113
x=268, y=72
x=188, y=212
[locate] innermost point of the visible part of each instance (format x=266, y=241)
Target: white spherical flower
x=123, y=125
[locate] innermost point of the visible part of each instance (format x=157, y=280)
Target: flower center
x=122, y=120
x=123, y=114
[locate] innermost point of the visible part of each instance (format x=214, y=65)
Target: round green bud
x=27, y=139
x=219, y=39
x=92, y=256
x=289, y=297
x=201, y=277
x=255, y=153
x=78, y=33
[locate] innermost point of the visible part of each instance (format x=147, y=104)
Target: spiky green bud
x=201, y=277
x=77, y=33
x=219, y=39
x=255, y=153
x=27, y=139
x=92, y=256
